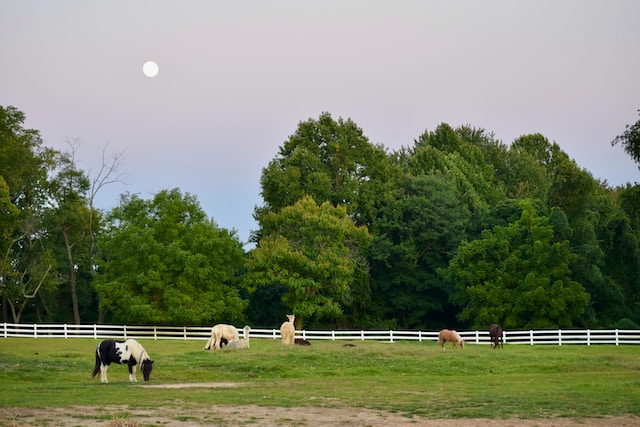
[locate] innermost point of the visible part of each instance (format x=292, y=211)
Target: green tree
x=166, y=263
x=573, y=189
x=316, y=253
x=67, y=223
x=415, y=236
x=630, y=140
x=608, y=262
x=623, y=253
x=517, y=275
x=27, y=273
x=465, y=162
x=330, y=161
x=629, y=200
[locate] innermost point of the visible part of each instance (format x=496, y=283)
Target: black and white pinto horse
x=496, y=334
x=128, y=352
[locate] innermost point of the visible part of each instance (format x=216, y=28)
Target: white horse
x=220, y=331
x=130, y=352
x=450, y=335
x=288, y=330
x=243, y=343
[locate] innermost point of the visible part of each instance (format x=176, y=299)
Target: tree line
x=454, y=230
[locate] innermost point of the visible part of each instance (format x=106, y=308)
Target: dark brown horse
x=496, y=334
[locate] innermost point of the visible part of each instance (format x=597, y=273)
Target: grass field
x=408, y=378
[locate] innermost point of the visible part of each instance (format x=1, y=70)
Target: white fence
x=531, y=337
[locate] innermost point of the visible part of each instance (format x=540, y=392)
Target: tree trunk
x=5, y=314
x=72, y=277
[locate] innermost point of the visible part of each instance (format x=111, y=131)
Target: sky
x=237, y=77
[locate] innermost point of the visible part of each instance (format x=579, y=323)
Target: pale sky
x=236, y=78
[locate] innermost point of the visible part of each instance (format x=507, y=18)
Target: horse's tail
x=96, y=369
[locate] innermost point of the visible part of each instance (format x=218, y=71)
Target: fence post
x=559, y=336
x=95, y=331
x=65, y=331
x=531, y=336
x=617, y=338
x=4, y=325
x=35, y=330
x=419, y=336
x=477, y=337
x=362, y=334
x=390, y=335
x=588, y=336
x=333, y=335
x=124, y=331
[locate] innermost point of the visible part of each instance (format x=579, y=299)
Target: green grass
x=410, y=378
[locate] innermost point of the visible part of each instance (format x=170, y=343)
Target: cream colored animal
x=220, y=331
x=288, y=330
x=450, y=335
x=243, y=343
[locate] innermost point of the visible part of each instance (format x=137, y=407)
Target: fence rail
x=530, y=337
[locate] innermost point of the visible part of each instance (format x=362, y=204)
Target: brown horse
x=496, y=334
x=450, y=335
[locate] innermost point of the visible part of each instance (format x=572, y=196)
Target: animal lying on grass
x=130, y=352
x=450, y=335
x=288, y=330
x=243, y=343
x=219, y=332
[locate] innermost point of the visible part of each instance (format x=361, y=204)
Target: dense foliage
x=456, y=230
x=316, y=252
x=164, y=262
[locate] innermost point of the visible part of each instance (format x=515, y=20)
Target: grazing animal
x=450, y=335
x=496, y=334
x=288, y=330
x=220, y=332
x=301, y=341
x=130, y=352
x=243, y=343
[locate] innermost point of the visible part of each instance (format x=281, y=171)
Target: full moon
x=150, y=69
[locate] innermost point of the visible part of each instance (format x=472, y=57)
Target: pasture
x=409, y=379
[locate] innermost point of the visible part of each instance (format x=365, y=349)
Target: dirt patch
x=192, y=385
x=252, y=415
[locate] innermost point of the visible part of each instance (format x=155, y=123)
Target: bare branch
x=107, y=174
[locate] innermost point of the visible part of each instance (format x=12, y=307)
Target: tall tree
x=26, y=266
x=466, y=163
x=67, y=221
x=164, y=262
x=107, y=174
x=415, y=236
x=330, y=161
x=630, y=141
x=608, y=263
x=316, y=253
x=572, y=189
x=518, y=275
